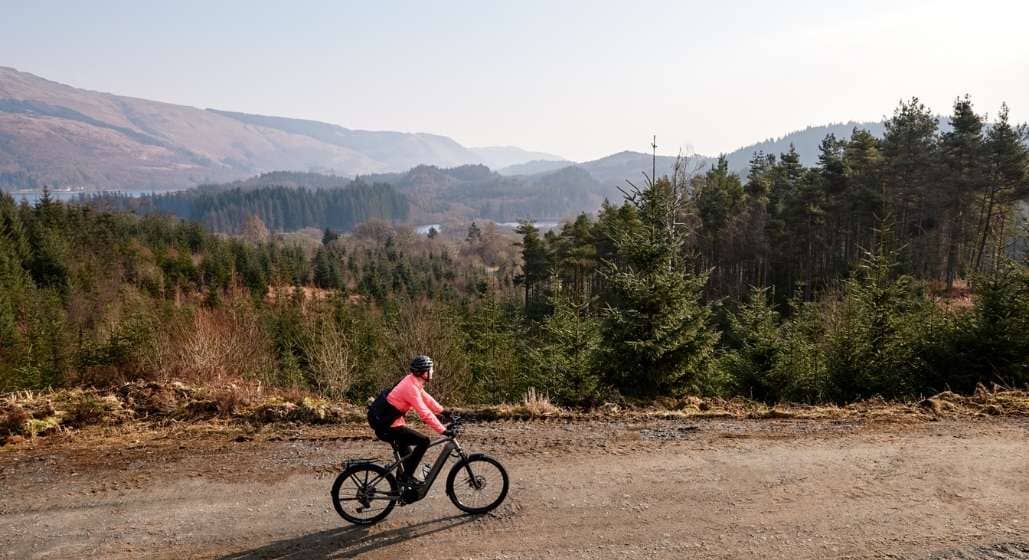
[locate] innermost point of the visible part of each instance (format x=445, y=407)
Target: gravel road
x=641, y=488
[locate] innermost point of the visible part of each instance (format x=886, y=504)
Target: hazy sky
x=581, y=79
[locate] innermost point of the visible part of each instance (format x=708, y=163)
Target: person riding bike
x=386, y=415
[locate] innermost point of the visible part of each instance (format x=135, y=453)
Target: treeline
x=947, y=203
x=843, y=281
x=18, y=180
x=891, y=268
x=471, y=192
x=91, y=297
x=280, y=208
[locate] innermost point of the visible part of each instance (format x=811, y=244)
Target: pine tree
x=474, y=234
x=565, y=360
x=908, y=174
x=329, y=236
x=1007, y=181
x=719, y=200
x=536, y=268
x=655, y=324
x=326, y=274
x=962, y=149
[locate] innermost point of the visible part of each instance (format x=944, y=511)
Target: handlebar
x=454, y=427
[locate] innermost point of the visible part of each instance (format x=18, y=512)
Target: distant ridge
x=58, y=135
x=500, y=157
x=394, y=150
x=533, y=167
x=805, y=141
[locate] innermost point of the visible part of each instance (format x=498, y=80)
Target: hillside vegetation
x=283, y=207
x=890, y=268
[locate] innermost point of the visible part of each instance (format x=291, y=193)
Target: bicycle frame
x=450, y=447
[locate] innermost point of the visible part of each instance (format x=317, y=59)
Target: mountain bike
x=367, y=490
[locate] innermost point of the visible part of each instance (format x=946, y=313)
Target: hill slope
x=62, y=136
x=498, y=157
x=394, y=150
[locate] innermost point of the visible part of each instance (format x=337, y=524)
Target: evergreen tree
x=565, y=360
x=492, y=346
x=962, y=149
x=1007, y=180
x=326, y=272
x=474, y=234
x=329, y=236
x=536, y=268
x=909, y=172
x=655, y=324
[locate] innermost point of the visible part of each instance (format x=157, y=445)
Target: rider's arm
x=434, y=406
x=425, y=413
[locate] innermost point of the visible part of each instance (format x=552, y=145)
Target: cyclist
x=386, y=416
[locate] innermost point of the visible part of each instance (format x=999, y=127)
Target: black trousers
x=407, y=441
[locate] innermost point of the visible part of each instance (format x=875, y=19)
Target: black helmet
x=421, y=364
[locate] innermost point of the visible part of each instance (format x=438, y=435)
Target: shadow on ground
x=347, y=542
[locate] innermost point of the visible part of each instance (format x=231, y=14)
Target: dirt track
x=613, y=489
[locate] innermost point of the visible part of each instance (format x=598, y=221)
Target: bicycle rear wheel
x=477, y=484
x=364, y=494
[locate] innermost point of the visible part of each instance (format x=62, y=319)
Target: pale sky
x=580, y=79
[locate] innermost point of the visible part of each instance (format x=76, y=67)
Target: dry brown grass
x=538, y=404
x=34, y=414
x=230, y=399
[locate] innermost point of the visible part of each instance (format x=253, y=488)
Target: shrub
x=85, y=408
x=989, y=344
x=874, y=333
x=754, y=333
x=564, y=357
x=772, y=359
x=13, y=420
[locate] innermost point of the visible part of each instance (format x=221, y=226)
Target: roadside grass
x=29, y=415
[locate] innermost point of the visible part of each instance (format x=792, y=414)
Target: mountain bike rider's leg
x=407, y=440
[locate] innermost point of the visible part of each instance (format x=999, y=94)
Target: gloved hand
x=448, y=431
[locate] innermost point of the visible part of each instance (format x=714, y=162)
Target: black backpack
x=381, y=414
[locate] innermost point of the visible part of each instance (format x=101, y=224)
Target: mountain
x=57, y=135
x=474, y=191
x=62, y=136
x=533, y=167
x=499, y=157
x=805, y=141
x=615, y=169
x=394, y=150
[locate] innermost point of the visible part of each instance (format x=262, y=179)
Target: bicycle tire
x=467, y=465
x=350, y=472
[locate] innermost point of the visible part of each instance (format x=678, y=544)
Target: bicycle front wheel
x=364, y=494
x=477, y=484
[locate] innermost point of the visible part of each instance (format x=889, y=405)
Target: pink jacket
x=410, y=393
